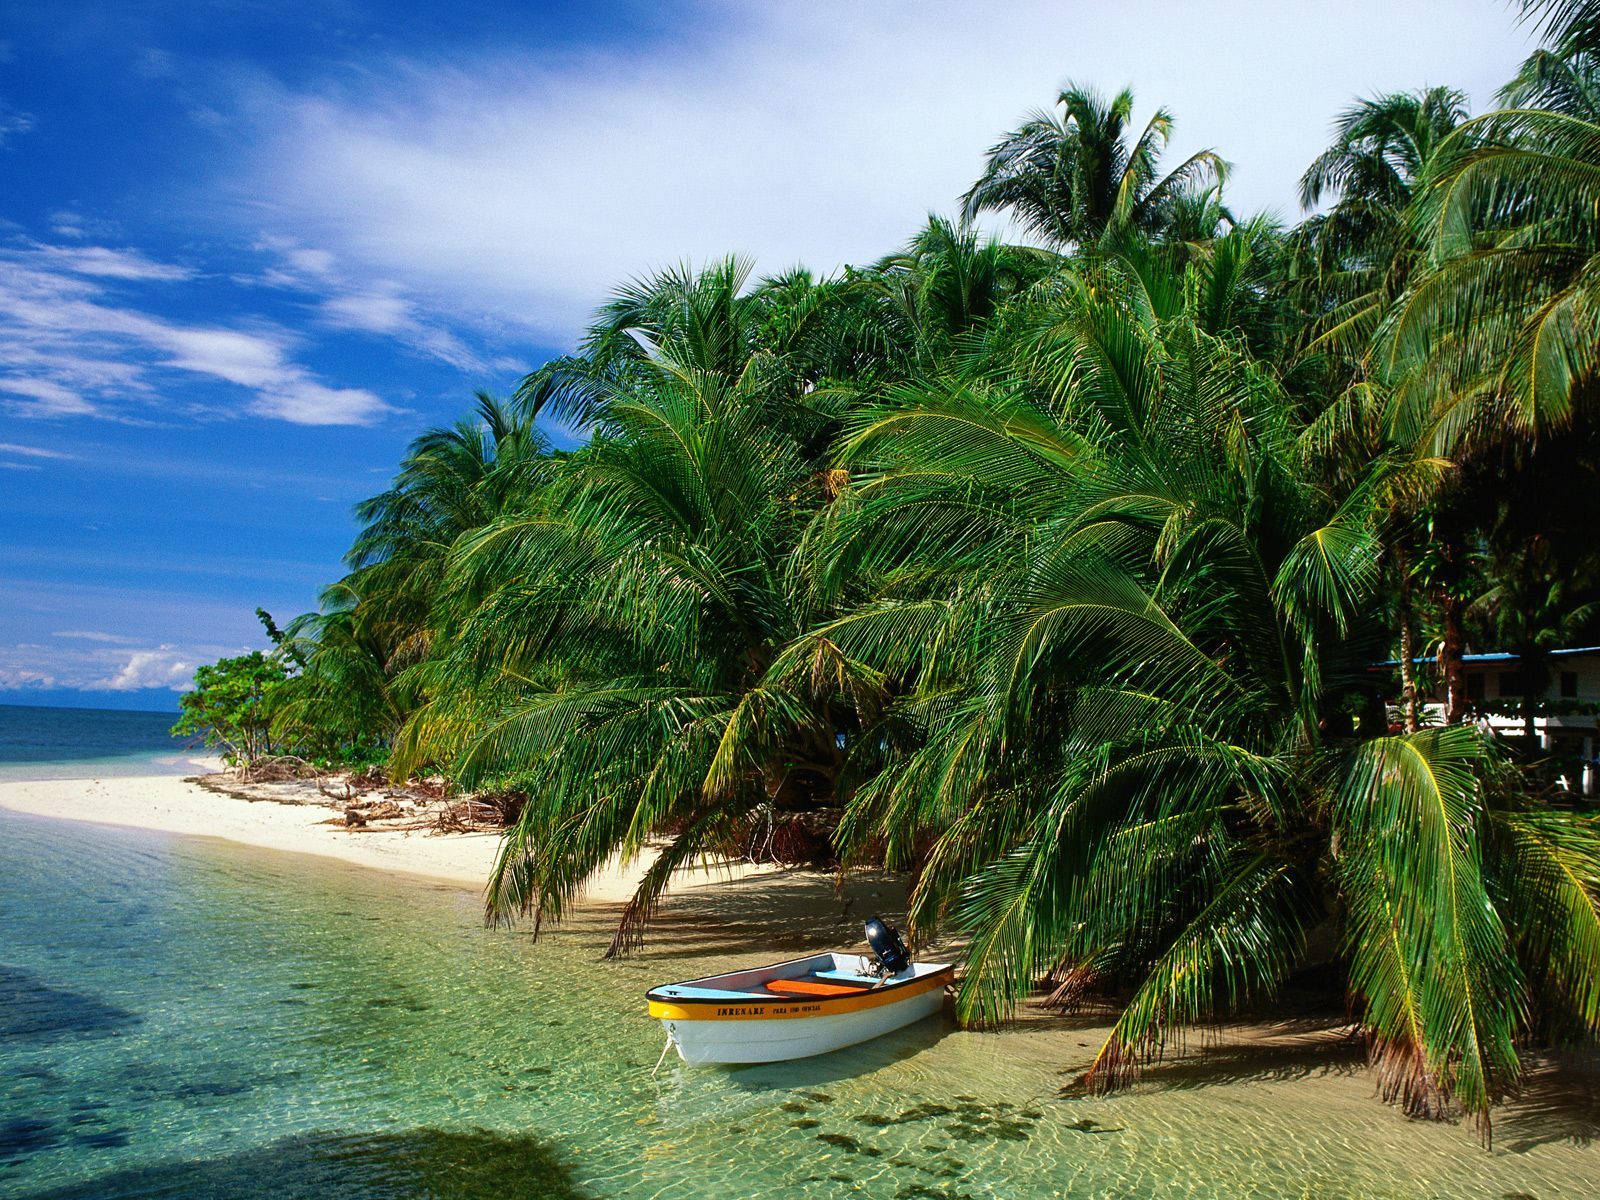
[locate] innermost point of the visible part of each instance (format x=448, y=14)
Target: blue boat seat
x=699, y=993
x=848, y=977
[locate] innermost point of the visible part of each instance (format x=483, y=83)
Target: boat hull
x=747, y=1033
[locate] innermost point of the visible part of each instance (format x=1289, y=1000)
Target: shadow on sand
x=1559, y=1102
x=1275, y=1051
x=773, y=916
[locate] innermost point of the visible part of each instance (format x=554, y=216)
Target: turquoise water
x=73, y=743
x=187, y=1018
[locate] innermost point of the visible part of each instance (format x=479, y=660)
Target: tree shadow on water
x=33, y=1011
x=1285, y=1050
x=1559, y=1102
x=432, y=1163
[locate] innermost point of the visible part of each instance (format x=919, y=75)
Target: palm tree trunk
x=1450, y=651
x=1408, y=650
x=1533, y=684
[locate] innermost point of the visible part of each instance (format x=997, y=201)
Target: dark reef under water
x=433, y=1163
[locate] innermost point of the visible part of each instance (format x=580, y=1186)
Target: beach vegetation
x=230, y=705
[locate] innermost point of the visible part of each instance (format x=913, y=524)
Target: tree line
x=1055, y=571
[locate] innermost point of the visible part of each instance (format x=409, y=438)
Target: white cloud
x=13, y=121
x=69, y=224
x=47, y=398
x=517, y=185
x=247, y=359
x=65, y=338
x=305, y=402
x=373, y=312
x=112, y=263
x=32, y=451
x=164, y=667
x=106, y=664
x=374, y=306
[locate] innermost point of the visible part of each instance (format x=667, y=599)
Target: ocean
x=191, y=1018
x=74, y=743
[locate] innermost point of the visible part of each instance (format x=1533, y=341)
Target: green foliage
x=230, y=705
x=1074, y=179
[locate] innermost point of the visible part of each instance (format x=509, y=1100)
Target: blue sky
x=248, y=250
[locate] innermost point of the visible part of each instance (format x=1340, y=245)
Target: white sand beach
x=173, y=805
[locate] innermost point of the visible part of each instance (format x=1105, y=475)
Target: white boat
x=798, y=1008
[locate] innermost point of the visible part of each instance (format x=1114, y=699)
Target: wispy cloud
x=109, y=663
x=46, y=397
x=32, y=451
x=13, y=121
x=112, y=263
x=68, y=223
x=371, y=305
x=71, y=346
x=518, y=187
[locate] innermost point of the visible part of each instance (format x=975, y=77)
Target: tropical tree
x=1564, y=78
x=229, y=705
x=630, y=615
x=1073, y=179
x=1055, y=577
x=1358, y=255
x=1504, y=317
x=937, y=295
x=1132, y=635
x=379, y=620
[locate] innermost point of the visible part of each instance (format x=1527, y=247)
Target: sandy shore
x=172, y=805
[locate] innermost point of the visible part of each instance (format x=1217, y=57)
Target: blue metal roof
x=1499, y=656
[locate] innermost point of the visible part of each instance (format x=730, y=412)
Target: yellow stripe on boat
x=762, y=1010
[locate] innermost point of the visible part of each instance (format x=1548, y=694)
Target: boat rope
x=663, y=1057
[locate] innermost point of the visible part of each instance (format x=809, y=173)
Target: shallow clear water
x=75, y=743
x=189, y=1018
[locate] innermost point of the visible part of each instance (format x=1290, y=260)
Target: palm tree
x=625, y=621
x=1350, y=265
x=1564, y=79
x=1129, y=633
x=1053, y=576
x=379, y=620
x=1502, y=323
x=1073, y=180
x=937, y=295
x=1359, y=255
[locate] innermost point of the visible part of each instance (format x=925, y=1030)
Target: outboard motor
x=891, y=952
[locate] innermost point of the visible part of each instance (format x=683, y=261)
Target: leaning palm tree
x=1128, y=640
x=1073, y=179
x=380, y=619
x=621, y=624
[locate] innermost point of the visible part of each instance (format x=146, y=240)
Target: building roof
x=1499, y=656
